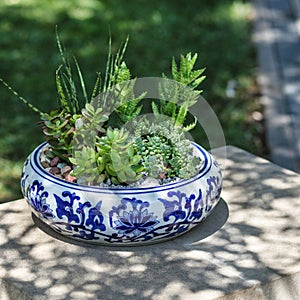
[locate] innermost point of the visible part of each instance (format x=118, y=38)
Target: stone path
x=277, y=37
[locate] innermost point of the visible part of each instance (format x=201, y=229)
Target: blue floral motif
x=65, y=207
x=138, y=224
x=213, y=192
x=182, y=208
x=184, y=211
x=37, y=199
x=174, y=208
x=76, y=212
x=95, y=218
x=132, y=222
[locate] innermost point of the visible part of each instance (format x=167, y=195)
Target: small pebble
x=70, y=178
x=59, y=176
x=149, y=182
x=162, y=175
x=45, y=164
x=44, y=161
x=61, y=165
x=48, y=169
x=54, y=161
x=66, y=169
x=55, y=170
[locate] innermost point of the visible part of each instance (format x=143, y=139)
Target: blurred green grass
x=219, y=31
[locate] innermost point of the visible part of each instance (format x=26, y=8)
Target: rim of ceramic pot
x=39, y=169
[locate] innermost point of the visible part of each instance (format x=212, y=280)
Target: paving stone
x=277, y=38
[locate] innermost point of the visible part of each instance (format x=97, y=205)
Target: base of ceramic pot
x=69, y=239
x=204, y=229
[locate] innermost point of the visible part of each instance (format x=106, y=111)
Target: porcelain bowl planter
x=121, y=216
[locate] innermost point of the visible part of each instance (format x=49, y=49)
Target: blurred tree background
x=219, y=31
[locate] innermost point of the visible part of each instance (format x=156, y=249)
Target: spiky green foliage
x=116, y=72
x=67, y=95
x=118, y=89
x=185, y=73
x=128, y=106
x=176, y=99
x=79, y=131
x=32, y=107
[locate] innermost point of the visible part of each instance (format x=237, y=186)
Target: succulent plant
x=165, y=150
x=98, y=149
x=58, y=128
x=113, y=159
x=119, y=156
x=87, y=170
x=156, y=152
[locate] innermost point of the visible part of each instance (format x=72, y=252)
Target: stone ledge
x=250, y=240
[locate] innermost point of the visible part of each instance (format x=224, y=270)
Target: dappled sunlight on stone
x=91, y=264
x=249, y=239
x=42, y=251
x=124, y=254
x=138, y=268
x=22, y=273
x=59, y=289
x=3, y=237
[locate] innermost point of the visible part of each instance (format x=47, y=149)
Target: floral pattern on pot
x=121, y=216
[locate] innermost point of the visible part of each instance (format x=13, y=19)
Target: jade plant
x=105, y=138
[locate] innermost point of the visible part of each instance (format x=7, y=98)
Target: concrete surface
x=249, y=248
x=277, y=38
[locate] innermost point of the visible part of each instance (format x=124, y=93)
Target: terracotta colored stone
x=70, y=178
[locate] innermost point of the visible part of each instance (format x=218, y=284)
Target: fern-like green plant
x=176, y=99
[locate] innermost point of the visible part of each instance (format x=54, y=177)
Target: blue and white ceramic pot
x=124, y=216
